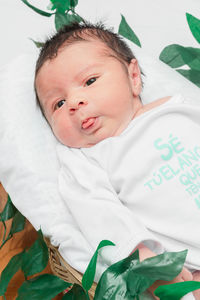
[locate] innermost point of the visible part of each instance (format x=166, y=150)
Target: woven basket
x=63, y=270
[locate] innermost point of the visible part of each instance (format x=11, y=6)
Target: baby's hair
x=76, y=32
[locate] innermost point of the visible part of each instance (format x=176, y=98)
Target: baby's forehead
x=76, y=53
x=94, y=42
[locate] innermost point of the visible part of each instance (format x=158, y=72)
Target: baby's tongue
x=87, y=123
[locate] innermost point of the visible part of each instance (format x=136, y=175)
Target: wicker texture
x=63, y=270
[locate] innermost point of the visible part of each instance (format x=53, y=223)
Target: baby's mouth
x=87, y=123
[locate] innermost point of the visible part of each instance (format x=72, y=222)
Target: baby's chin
x=92, y=140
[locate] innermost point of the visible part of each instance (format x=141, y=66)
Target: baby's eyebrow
x=86, y=69
x=50, y=95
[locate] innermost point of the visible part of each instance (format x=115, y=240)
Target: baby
x=133, y=178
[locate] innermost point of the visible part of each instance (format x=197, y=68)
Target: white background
x=157, y=23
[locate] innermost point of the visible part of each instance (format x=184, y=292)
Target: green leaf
x=192, y=75
x=65, y=19
x=130, y=278
x=176, y=56
x=195, y=63
x=89, y=274
x=12, y=267
x=37, y=44
x=113, y=282
x=36, y=258
x=194, y=25
x=74, y=3
x=37, y=10
x=76, y=293
x=18, y=223
x=61, y=20
x=9, y=211
x=43, y=287
x=165, y=266
x=176, y=291
x=62, y=6
x=74, y=18
x=126, y=31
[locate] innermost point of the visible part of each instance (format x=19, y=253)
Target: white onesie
x=141, y=186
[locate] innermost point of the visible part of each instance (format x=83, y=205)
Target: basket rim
x=63, y=270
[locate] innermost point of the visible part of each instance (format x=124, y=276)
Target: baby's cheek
x=69, y=137
x=64, y=137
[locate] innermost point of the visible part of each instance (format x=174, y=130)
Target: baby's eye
x=59, y=103
x=91, y=80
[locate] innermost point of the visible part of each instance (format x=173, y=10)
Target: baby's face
x=86, y=94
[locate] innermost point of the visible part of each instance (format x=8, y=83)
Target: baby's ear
x=135, y=77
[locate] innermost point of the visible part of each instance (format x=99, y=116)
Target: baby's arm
x=184, y=275
x=97, y=208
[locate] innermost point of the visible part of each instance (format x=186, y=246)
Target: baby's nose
x=76, y=104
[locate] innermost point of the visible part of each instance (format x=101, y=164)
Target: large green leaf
x=194, y=25
x=37, y=10
x=12, y=267
x=65, y=19
x=43, y=287
x=176, y=291
x=165, y=266
x=113, y=282
x=36, y=258
x=129, y=278
x=76, y=293
x=126, y=31
x=89, y=274
x=192, y=75
x=9, y=211
x=176, y=56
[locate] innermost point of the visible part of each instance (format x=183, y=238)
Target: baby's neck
x=144, y=108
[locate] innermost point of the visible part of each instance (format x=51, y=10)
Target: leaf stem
x=79, y=17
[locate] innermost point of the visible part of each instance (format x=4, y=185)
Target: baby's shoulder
x=158, y=102
x=149, y=106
